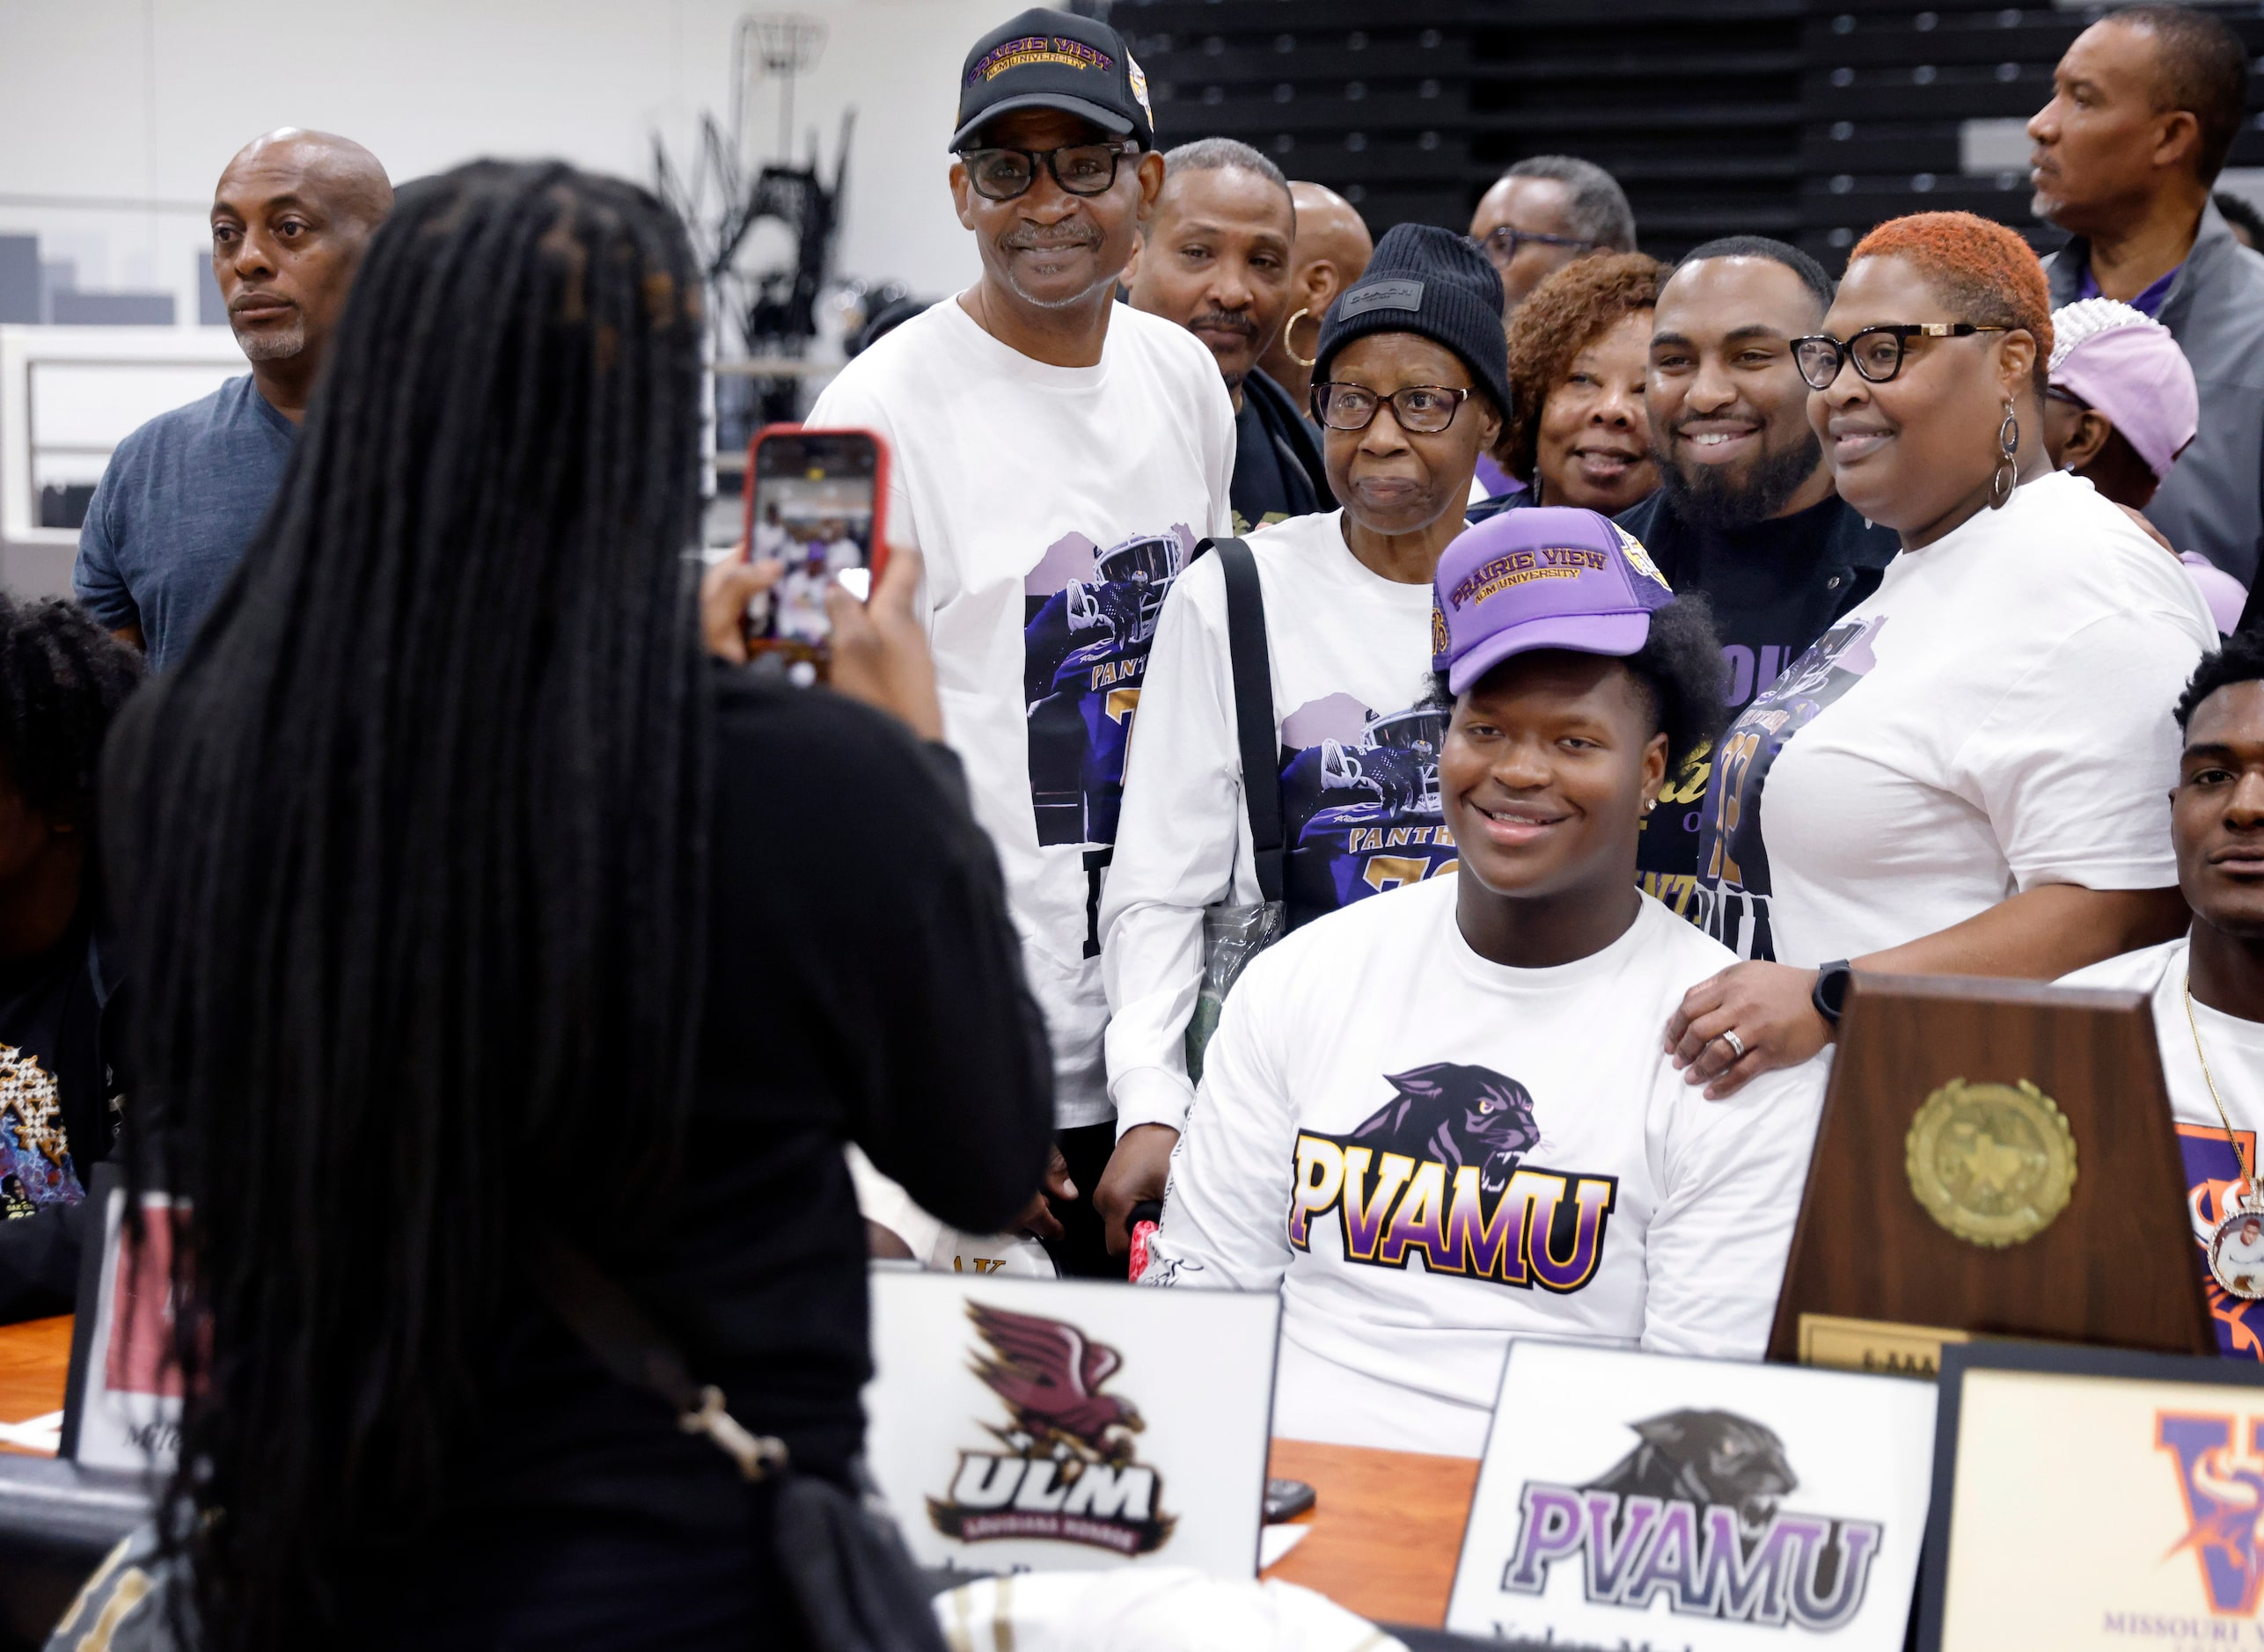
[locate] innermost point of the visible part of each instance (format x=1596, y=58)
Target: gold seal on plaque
x=1993, y=1163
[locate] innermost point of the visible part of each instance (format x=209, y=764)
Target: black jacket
x=1296, y=448
x=1860, y=550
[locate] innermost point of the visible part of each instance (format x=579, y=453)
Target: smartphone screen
x=813, y=503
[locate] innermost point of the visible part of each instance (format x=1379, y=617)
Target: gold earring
x=1289, y=349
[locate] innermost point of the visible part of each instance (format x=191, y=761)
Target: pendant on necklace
x=2235, y=1248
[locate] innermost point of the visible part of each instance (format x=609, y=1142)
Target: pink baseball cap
x=1546, y=577
x=2133, y=372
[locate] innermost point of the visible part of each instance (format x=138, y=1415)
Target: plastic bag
x=1232, y=936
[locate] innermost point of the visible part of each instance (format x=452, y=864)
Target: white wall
x=146, y=100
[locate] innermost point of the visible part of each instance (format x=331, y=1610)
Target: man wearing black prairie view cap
x=1056, y=456
x=1745, y=514
x=1411, y=376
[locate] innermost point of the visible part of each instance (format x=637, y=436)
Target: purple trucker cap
x=1548, y=577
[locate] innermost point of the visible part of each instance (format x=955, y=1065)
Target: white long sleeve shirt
x=1429, y=1154
x=1349, y=657
x=1054, y=507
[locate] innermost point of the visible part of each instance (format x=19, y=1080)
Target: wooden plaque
x=1968, y=1061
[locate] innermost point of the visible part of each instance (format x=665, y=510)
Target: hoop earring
x=2006, y=477
x=1289, y=349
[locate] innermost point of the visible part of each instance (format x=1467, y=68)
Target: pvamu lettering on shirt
x=1539, y=1227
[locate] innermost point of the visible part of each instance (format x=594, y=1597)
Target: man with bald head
x=1332, y=249
x=183, y=494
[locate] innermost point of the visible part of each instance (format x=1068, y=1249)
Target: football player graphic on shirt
x=35, y=1165
x=1732, y=898
x=1090, y=617
x=1360, y=800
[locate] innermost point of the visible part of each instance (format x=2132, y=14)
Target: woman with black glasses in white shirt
x=1969, y=774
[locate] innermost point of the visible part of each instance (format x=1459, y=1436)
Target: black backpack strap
x=1260, y=744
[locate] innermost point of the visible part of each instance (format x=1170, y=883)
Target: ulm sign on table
x=1063, y=1426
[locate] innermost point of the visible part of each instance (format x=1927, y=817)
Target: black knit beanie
x=1430, y=282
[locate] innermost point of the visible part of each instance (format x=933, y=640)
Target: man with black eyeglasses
x=1543, y=214
x=1056, y=456
x=1547, y=212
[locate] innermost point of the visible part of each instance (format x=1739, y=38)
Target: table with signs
x=1381, y=1539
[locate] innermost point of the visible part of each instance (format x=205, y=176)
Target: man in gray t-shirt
x=183, y=495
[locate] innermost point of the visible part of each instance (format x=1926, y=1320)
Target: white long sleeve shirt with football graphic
x=1350, y=661
x=1429, y=1154
x=1054, y=506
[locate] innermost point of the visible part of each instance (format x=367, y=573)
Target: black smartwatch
x=1830, y=996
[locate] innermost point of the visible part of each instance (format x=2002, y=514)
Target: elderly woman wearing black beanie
x=1411, y=384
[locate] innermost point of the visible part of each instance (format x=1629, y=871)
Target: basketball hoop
x=784, y=43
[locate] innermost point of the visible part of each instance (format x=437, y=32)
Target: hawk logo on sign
x=1067, y=1472
x=1690, y=1514
x=2225, y=1503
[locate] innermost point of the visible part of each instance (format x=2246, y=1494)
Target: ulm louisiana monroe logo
x=1690, y=1516
x=1067, y=1472
x=1439, y=1172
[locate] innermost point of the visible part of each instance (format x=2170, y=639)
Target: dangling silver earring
x=2006, y=477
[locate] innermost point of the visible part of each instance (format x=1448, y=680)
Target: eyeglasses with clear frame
x=1877, y=352
x=1502, y=243
x=1421, y=410
x=1081, y=169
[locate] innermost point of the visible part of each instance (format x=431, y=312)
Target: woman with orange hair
x=1578, y=347
x=1969, y=774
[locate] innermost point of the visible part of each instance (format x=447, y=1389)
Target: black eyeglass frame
x=1518, y=238
x=1901, y=333
x=1399, y=416
x=1116, y=149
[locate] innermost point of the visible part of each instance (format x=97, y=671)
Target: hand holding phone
x=815, y=504
x=880, y=649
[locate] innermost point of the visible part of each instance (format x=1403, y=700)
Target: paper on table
x=1276, y=1542
x=40, y=1434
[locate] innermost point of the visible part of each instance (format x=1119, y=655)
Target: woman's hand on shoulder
x=1748, y=1019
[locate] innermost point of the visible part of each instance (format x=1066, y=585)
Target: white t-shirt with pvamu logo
x=1431, y=1154
x=1996, y=716
x=1054, y=507
x=1349, y=659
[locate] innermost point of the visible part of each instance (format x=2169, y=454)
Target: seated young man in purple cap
x=1441, y=1119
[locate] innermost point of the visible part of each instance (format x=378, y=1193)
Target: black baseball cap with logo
x=1045, y=59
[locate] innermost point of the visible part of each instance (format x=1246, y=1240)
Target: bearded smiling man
x=1215, y=256
x=182, y=495
x=1745, y=514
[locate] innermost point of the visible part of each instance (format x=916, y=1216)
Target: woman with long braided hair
x=473, y=907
